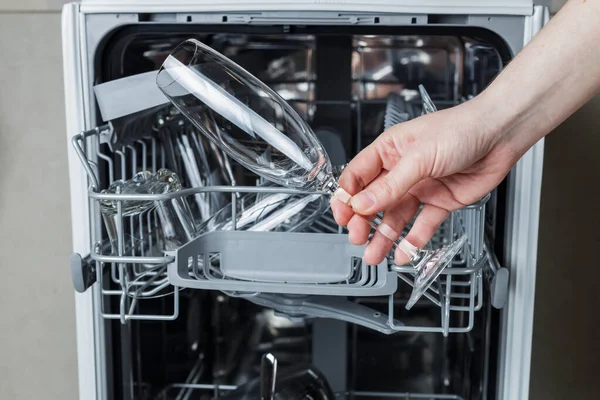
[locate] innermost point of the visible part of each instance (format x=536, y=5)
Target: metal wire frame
x=138, y=273
x=460, y=288
x=453, y=296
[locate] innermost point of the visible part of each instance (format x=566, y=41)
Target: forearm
x=548, y=80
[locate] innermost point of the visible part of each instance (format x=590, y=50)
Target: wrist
x=510, y=117
x=490, y=118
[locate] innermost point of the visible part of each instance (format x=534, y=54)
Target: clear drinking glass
x=281, y=212
x=297, y=213
x=109, y=208
x=260, y=130
x=176, y=218
x=252, y=124
x=175, y=215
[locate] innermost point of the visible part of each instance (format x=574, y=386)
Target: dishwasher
x=266, y=297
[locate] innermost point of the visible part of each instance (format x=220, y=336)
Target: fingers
x=362, y=169
x=343, y=213
x=436, y=191
x=396, y=218
x=425, y=226
x=386, y=192
x=359, y=229
x=358, y=225
x=366, y=166
x=373, y=190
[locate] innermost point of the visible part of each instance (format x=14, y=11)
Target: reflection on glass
x=264, y=212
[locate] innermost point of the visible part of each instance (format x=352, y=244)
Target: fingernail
x=363, y=201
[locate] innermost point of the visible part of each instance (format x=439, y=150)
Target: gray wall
x=37, y=339
x=37, y=335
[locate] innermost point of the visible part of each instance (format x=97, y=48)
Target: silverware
x=268, y=376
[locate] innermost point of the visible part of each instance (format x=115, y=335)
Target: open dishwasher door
x=181, y=342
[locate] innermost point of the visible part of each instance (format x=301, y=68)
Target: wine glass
x=260, y=130
x=177, y=222
x=282, y=212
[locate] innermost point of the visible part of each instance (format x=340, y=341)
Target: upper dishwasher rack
x=139, y=272
x=372, y=296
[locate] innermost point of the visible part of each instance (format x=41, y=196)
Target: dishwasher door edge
x=454, y=7
x=90, y=338
x=521, y=244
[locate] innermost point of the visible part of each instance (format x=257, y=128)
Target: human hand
x=445, y=160
x=452, y=158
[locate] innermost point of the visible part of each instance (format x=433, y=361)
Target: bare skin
x=454, y=157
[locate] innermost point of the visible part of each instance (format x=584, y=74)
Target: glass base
x=430, y=266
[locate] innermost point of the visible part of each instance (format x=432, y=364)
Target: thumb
x=386, y=191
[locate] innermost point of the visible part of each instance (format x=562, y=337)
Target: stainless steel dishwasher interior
x=179, y=343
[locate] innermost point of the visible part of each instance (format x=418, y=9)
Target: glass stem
x=399, y=242
x=412, y=252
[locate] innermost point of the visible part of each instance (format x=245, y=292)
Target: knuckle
x=421, y=162
x=350, y=181
x=400, y=222
x=387, y=187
